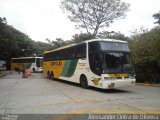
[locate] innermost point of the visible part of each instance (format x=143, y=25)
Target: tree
x=112, y=35
x=59, y=42
x=81, y=37
x=3, y=20
x=14, y=43
x=94, y=14
x=145, y=51
x=42, y=47
x=157, y=16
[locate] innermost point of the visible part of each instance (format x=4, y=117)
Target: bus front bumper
x=39, y=70
x=116, y=83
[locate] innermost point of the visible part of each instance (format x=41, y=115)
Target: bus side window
x=98, y=62
x=74, y=52
x=81, y=51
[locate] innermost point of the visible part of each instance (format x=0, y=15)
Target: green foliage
x=112, y=35
x=81, y=37
x=157, y=16
x=14, y=43
x=146, y=54
x=42, y=47
x=59, y=42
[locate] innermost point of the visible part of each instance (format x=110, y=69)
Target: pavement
x=3, y=73
x=39, y=95
x=39, y=98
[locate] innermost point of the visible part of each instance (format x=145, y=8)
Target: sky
x=41, y=19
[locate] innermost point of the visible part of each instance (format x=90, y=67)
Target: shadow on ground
x=93, y=88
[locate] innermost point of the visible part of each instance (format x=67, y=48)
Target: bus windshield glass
x=108, y=46
x=39, y=62
x=117, y=63
x=107, y=58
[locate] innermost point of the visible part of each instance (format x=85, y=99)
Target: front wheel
x=83, y=81
x=34, y=70
x=52, y=76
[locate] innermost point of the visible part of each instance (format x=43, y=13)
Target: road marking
x=147, y=84
x=107, y=111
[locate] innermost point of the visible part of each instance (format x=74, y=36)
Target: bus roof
x=26, y=57
x=61, y=48
x=107, y=40
x=87, y=41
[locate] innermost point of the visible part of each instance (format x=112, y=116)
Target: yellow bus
x=102, y=63
x=33, y=63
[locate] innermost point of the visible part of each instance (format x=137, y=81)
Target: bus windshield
x=110, y=58
x=111, y=62
x=117, y=63
x=108, y=46
x=39, y=62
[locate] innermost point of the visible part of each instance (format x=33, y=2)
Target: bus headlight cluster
x=132, y=76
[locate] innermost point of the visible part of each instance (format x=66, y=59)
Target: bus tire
x=48, y=75
x=34, y=70
x=52, y=76
x=83, y=81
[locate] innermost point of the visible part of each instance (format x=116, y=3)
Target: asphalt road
x=39, y=95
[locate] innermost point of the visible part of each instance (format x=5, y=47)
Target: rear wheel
x=83, y=81
x=52, y=76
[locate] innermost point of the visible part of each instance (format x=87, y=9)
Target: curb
x=147, y=84
x=1, y=74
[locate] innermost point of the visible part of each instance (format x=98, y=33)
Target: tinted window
x=96, y=63
x=81, y=52
x=74, y=52
x=30, y=60
x=111, y=62
x=108, y=46
x=39, y=62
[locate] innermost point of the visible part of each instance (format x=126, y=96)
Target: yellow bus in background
x=32, y=63
x=102, y=63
